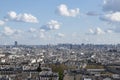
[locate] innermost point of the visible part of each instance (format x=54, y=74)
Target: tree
x=39, y=68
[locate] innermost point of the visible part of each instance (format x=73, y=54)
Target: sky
x=38, y=22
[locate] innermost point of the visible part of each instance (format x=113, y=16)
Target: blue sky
x=59, y=21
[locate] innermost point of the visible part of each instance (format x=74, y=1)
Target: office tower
x=16, y=43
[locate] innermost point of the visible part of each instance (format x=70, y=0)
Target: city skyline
x=52, y=22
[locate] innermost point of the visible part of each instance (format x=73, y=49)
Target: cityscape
x=60, y=40
x=60, y=62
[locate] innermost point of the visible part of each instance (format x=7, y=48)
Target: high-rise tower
x=15, y=44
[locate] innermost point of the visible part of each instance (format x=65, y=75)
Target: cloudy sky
x=59, y=21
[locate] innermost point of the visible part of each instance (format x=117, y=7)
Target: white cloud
x=31, y=30
x=13, y=16
x=91, y=31
x=36, y=33
x=9, y=31
x=52, y=25
x=64, y=11
x=111, y=17
x=111, y=5
x=42, y=35
x=109, y=31
x=60, y=35
x=97, y=31
x=2, y=22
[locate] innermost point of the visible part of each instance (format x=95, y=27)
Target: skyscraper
x=15, y=44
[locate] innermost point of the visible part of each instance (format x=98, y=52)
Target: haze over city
x=59, y=21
